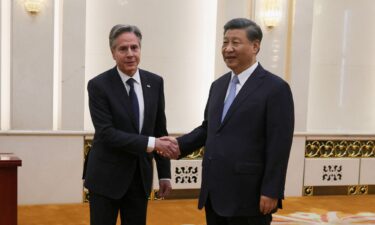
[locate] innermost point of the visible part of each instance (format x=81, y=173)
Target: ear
x=113, y=54
x=256, y=44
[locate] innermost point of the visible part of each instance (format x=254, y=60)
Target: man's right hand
x=167, y=147
x=267, y=204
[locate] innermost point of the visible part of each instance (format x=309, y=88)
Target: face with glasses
x=127, y=52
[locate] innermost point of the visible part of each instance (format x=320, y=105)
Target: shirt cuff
x=165, y=179
x=151, y=144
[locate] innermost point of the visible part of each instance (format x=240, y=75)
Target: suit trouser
x=132, y=206
x=212, y=218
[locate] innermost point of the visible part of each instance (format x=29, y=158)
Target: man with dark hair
x=127, y=110
x=247, y=133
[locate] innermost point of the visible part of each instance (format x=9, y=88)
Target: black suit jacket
x=117, y=147
x=247, y=154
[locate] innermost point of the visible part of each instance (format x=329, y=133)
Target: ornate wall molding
x=342, y=165
x=340, y=149
x=186, y=172
x=338, y=190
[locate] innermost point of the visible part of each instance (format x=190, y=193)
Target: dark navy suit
x=247, y=154
x=118, y=157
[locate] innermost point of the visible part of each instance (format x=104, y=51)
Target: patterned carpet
x=322, y=210
x=329, y=218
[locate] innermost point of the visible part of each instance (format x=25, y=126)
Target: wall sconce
x=33, y=6
x=272, y=13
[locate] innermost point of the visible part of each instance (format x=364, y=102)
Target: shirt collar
x=242, y=77
x=125, y=77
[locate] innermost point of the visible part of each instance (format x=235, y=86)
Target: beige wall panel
x=331, y=171
x=342, y=67
x=294, y=176
x=367, y=171
x=300, y=60
x=32, y=68
x=73, y=65
x=51, y=167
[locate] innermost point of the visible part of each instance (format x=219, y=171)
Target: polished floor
x=297, y=210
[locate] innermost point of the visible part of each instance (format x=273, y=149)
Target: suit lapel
x=119, y=88
x=252, y=83
x=147, y=97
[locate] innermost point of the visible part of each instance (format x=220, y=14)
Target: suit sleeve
x=104, y=127
x=163, y=165
x=196, y=139
x=279, y=131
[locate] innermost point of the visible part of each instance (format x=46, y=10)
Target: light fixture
x=272, y=13
x=33, y=6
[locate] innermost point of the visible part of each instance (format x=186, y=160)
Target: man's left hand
x=267, y=204
x=165, y=188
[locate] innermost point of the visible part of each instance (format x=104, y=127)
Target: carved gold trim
x=363, y=190
x=85, y=197
x=368, y=150
x=198, y=154
x=339, y=190
x=358, y=190
x=308, y=191
x=152, y=195
x=86, y=149
x=352, y=190
x=340, y=149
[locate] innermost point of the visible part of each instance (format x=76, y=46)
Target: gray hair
x=120, y=29
x=253, y=31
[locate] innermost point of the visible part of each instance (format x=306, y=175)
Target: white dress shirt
x=242, y=78
x=139, y=92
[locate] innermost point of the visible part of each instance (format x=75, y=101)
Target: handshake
x=167, y=146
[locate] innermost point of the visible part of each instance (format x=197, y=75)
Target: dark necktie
x=134, y=100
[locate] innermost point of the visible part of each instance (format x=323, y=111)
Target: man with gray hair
x=127, y=109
